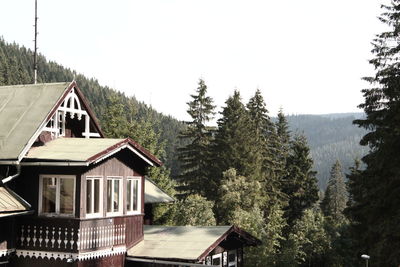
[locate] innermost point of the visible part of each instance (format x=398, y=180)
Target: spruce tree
x=300, y=184
x=195, y=156
x=376, y=201
x=261, y=139
x=282, y=144
x=263, y=147
x=335, y=199
x=230, y=144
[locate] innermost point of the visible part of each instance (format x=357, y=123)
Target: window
x=94, y=199
x=114, y=195
x=133, y=204
x=216, y=259
x=232, y=258
x=57, y=195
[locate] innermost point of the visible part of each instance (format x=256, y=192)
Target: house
x=71, y=197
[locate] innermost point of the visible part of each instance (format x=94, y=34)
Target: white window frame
x=101, y=184
x=57, y=212
x=139, y=194
x=216, y=256
x=234, y=263
x=121, y=204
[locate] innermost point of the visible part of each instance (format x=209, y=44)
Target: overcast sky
x=307, y=56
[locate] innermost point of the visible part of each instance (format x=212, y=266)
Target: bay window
x=94, y=199
x=57, y=195
x=114, y=195
x=133, y=189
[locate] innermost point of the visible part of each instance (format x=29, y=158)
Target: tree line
x=253, y=172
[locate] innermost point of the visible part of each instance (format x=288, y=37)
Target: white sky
x=307, y=56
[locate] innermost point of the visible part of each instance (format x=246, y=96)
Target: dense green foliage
x=375, y=191
x=257, y=172
x=335, y=199
x=330, y=138
x=16, y=68
x=194, y=157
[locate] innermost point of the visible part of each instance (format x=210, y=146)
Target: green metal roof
x=154, y=194
x=177, y=242
x=23, y=108
x=73, y=149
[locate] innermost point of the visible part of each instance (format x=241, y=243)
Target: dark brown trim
x=252, y=241
x=145, y=152
x=127, y=141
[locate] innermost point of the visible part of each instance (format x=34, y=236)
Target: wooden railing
x=73, y=235
x=48, y=234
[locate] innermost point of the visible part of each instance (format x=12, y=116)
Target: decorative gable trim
x=72, y=88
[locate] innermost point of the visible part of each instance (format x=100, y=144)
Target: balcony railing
x=75, y=236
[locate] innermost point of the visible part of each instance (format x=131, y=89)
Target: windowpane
x=96, y=193
x=89, y=196
x=216, y=261
x=116, y=195
x=135, y=195
x=232, y=257
x=109, y=195
x=49, y=195
x=66, y=196
x=129, y=195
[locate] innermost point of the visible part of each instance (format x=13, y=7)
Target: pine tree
x=376, y=201
x=261, y=139
x=300, y=185
x=230, y=144
x=335, y=199
x=282, y=144
x=262, y=146
x=195, y=156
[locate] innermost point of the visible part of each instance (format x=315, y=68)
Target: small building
x=191, y=246
x=84, y=197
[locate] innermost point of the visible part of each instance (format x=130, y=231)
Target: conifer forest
x=318, y=190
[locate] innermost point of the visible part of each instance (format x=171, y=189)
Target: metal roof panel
x=23, y=108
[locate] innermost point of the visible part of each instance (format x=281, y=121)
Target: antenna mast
x=35, y=52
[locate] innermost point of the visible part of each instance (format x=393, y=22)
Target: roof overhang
x=153, y=194
x=62, y=152
x=11, y=204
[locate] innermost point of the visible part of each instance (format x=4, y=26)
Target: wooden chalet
x=71, y=197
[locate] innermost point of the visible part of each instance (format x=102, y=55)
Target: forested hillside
x=16, y=68
x=250, y=170
x=330, y=137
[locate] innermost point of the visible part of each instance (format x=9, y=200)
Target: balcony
x=79, y=239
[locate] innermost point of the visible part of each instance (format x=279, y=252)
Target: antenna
x=35, y=52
